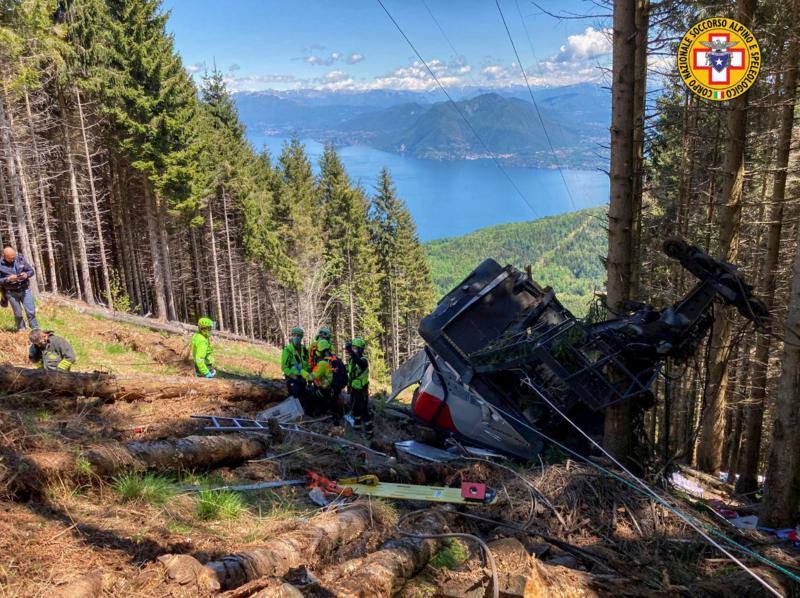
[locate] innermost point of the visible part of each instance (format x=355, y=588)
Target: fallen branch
x=111, y=387
x=172, y=326
x=704, y=477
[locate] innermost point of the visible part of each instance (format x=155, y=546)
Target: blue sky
x=352, y=45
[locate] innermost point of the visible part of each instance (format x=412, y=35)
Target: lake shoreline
x=456, y=197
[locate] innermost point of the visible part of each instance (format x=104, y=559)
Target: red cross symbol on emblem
x=701, y=58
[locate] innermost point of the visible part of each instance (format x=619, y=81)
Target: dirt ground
x=576, y=532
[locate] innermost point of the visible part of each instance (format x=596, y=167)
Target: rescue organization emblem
x=719, y=59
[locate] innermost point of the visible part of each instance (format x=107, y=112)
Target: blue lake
x=452, y=198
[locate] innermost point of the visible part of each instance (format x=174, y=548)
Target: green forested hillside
x=564, y=251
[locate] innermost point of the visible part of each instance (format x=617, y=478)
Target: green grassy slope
x=564, y=251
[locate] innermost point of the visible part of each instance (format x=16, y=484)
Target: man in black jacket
x=15, y=276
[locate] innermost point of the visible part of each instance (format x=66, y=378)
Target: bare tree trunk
x=783, y=470
x=215, y=266
x=155, y=258
x=251, y=328
x=768, y=274
x=98, y=222
x=199, y=278
x=80, y=235
x=16, y=187
x=351, y=296
x=729, y=200
x=161, y=209
x=35, y=254
x=231, y=280
x=640, y=105
x=618, y=433
x=48, y=236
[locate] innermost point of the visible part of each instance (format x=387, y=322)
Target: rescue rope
x=642, y=488
x=458, y=110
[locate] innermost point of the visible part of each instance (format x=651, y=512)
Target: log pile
x=307, y=545
x=383, y=572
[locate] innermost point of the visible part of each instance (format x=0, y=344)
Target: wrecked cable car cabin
x=506, y=365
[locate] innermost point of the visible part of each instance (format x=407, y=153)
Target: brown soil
x=586, y=534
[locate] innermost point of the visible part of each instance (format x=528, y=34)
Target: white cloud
x=234, y=67
x=196, y=67
x=579, y=60
x=332, y=58
x=258, y=82
x=592, y=43
x=493, y=72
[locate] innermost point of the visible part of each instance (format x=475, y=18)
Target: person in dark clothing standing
x=358, y=383
x=15, y=276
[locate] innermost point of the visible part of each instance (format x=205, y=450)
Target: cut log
x=88, y=586
x=384, y=571
x=128, y=388
x=306, y=545
x=32, y=471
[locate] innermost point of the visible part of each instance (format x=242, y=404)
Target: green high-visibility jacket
x=358, y=372
x=292, y=357
x=202, y=353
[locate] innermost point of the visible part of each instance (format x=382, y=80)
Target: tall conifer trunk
x=41, y=187
x=729, y=202
x=101, y=244
x=783, y=473
x=80, y=234
x=155, y=256
x=618, y=433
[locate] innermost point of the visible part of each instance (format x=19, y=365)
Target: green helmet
x=205, y=323
x=325, y=333
x=359, y=342
x=297, y=331
x=323, y=345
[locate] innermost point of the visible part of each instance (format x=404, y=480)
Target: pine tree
x=406, y=290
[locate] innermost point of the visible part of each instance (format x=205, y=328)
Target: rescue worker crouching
x=329, y=378
x=358, y=384
x=295, y=365
x=202, y=351
x=51, y=352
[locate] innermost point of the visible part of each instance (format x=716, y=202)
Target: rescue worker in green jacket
x=295, y=366
x=323, y=334
x=50, y=351
x=328, y=377
x=358, y=384
x=202, y=351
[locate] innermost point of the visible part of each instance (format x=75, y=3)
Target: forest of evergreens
x=725, y=176
x=126, y=185
x=564, y=252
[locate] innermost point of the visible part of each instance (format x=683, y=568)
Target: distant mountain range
x=576, y=118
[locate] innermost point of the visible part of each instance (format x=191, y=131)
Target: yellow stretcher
x=469, y=493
